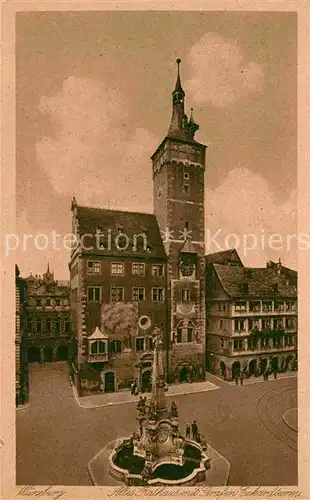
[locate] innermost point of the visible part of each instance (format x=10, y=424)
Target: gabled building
x=48, y=318
x=133, y=272
x=252, y=317
x=21, y=365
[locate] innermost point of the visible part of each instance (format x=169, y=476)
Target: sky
x=93, y=102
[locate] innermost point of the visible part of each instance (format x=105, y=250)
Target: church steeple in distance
x=180, y=127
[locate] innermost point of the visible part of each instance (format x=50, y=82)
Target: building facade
x=21, y=365
x=252, y=317
x=48, y=318
x=131, y=273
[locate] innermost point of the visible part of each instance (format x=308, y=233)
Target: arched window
x=180, y=332
x=190, y=331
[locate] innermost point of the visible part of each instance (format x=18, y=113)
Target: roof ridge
x=115, y=210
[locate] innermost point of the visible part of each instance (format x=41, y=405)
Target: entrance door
x=48, y=354
x=146, y=381
x=62, y=353
x=109, y=382
x=184, y=374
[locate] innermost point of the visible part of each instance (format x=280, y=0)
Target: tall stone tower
x=178, y=180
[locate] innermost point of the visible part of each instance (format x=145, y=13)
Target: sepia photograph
x=155, y=250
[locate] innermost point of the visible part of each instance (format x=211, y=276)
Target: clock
x=187, y=268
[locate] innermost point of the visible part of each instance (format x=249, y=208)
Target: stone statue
x=141, y=406
x=152, y=410
x=174, y=409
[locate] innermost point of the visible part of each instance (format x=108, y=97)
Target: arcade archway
x=222, y=369
x=34, y=354
x=252, y=367
x=62, y=353
x=235, y=369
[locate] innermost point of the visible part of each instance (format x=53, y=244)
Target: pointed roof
x=188, y=247
x=224, y=257
x=97, y=335
x=178, y=86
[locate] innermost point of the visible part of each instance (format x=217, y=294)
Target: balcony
x=263, y=350
x=98, y=358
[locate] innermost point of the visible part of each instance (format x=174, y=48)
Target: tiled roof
x=290, y=273
x=261, y=282
x=115, y=221
x=223, y=257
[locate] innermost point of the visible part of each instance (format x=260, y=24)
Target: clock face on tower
x=187, y=268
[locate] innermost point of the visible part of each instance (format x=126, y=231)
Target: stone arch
x=289, y=362
x=48, y=353
x=235, y=369
x=274, y=363
x=146, y=380
x=34, y=354
x=186, y=371
x=252, y=367
x=222, y=369
x=62, y=352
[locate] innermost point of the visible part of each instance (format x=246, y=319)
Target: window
x=29, y=325
x=57, y=326
x=221, y=323
x=252, y=344
x=290, y=323
x=180, y=334
x=264, y=343
x=255, y=306
x=48, y=302
x=149, y=343
x=117, y=294
x=186, y=188
x=238, y=344
x=138, y=294
x=57, y=302
x=157, y=270
x=186, y=295
x=117, y=268
x=253, y=324
x=278, y=324
x=157, y=294
x=67, y=326
x=48, y=324
x=38, y=302
x=267, y=305
x=93, y=267
x=276, y=342
x=138, y=269
x=239, y=325
x=266, y=324
x=140, y=343
x=186, y=176
x=290, y=305
x=98, y=347
x=221, y=306
x=278, y=306
x=115, y=346
x=240, y=306
x=39, y=325
x=190, y=331
x=94, y=294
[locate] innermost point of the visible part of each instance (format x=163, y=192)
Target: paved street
x=56, y=438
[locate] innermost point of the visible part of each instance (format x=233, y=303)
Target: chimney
x=279, y=266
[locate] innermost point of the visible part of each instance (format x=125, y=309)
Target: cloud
x=95, y=152
x=243, y=205
x=220, y=72
x=35, y=250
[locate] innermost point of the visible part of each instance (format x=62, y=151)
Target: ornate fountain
x=156, y=453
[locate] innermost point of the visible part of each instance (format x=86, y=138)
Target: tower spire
x=178, y=123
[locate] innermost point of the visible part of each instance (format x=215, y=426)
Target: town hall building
x=131, y=273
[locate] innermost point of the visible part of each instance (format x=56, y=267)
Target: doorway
x=109, y=382
x=62, y=353
x=146, y=379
